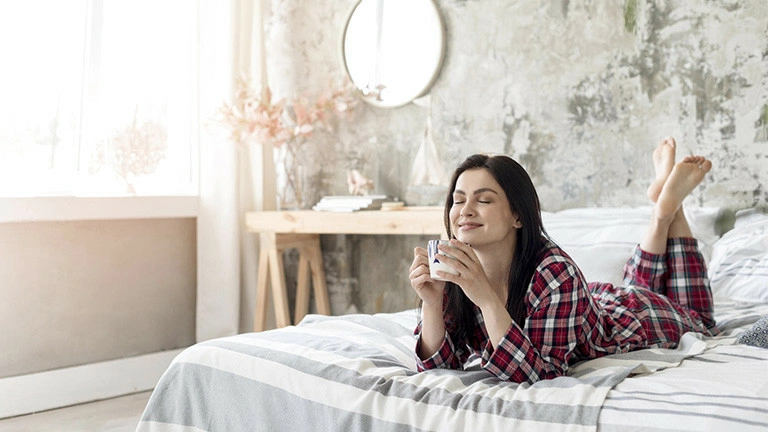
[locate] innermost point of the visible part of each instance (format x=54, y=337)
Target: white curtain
x=231, y=179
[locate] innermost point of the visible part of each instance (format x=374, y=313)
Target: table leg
x=279, y=293
x=302, y=286
x=318, y=279
x=262, y=291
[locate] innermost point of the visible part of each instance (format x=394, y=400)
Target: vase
x=260, y=166
x=289, y=173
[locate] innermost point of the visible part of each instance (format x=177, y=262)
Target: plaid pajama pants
x=680, y=298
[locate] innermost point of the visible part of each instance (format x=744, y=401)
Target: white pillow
x=739, y=266
x=601, y=240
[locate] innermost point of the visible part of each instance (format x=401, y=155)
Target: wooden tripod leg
x=302, y=287
x=318, y=279
x=279, y=292
x=262, y=292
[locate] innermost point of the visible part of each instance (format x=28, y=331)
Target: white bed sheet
x=356, y=372
x=722, y=389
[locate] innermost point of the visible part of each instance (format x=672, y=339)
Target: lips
x=469, y=225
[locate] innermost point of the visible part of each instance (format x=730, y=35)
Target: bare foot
x=663, y=162
x=683, y=179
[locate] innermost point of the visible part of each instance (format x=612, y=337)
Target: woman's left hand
x=471, y=278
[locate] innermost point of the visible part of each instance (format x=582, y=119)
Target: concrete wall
x=579, y=92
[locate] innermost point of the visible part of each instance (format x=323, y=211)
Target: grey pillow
x=757, y=335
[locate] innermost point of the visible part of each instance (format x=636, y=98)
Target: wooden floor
x=112, y=415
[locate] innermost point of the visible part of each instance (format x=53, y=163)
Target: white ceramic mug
x=434, y=264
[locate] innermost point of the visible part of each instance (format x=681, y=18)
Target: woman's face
x=480, y=215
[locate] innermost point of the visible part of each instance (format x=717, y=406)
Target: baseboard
x=58, y=388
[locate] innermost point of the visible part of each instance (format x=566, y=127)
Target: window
x=99, y=97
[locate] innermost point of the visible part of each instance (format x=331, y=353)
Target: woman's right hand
x=429, y=290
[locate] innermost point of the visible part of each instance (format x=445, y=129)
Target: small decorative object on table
x=358, y=184
x=428, y=180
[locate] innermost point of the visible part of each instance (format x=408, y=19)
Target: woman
x=522, y=305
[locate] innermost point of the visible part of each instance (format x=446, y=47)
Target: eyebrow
x=479, y=191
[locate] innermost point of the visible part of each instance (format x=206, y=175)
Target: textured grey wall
x=579, y=92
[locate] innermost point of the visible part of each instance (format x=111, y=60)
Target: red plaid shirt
x=569, y=320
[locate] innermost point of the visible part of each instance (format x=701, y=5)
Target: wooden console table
x=301, y=229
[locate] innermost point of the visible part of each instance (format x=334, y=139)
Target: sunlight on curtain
x=232, y=180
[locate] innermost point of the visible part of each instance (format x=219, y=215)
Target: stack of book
x=350, y=203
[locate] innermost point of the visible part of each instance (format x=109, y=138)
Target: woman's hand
x=474, y=282
x=431, y=293
x=429, y=290
x=471, y=278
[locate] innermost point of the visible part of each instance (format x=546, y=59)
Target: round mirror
x=392, y=49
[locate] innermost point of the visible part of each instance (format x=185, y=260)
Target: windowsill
x=69, y=208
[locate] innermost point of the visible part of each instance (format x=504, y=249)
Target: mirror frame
x=372, y=99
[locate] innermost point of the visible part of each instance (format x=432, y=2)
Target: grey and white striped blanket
x=357, y=372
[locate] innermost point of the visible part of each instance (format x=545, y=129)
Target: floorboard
x=111, y=415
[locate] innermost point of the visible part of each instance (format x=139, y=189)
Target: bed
x=357, y=372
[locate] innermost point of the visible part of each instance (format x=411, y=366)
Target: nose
x=467, y=209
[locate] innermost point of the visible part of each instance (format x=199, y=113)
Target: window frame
x=180, y=176
x=65, y=208
x=16, y=209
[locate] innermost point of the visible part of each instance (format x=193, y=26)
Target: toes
x=693, y=159
x=698, y=161
x=689, y=159
x=667, y=142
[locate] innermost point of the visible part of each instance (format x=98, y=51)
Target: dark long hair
x=524, y=202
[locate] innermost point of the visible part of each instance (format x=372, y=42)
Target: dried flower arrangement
x=136, y=149
x=254, y=117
